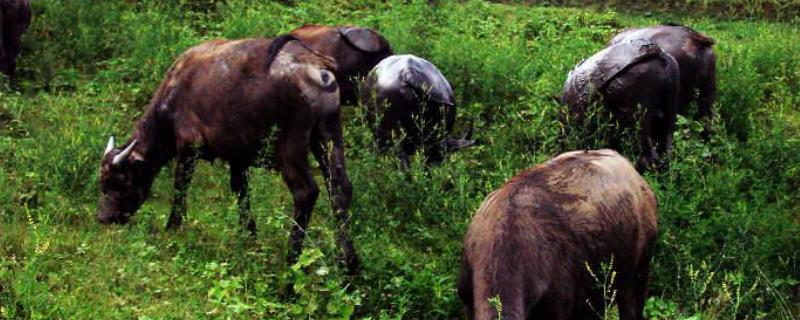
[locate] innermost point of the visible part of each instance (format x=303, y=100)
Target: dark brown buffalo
x=356, y=50
x=15, y=17
x=636, y=81
x=220, y=99
x=695, y=55
x=408, y=97
x=532, y=242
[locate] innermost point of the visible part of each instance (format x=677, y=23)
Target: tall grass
x=728, y=208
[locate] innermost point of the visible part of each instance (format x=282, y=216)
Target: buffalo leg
x=10, y=47
x=239, y=185
x=648, y=150
x=340, y=189
x=627, y=302
x=707, y=95
x=184, y=168
x=632, y=286
x=464, y=289
x=641, y=286
x=381, y=125
x=411, y=140
x=293, y=156
x=549, y=308
x=3, y=59
x=432, y=133
x=666, y=124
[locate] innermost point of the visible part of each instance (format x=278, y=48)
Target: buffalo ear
x=363, y=39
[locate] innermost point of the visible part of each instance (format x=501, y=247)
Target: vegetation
x=751, y=9
x=729, y=228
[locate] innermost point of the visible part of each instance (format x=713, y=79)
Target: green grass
x=729, y=228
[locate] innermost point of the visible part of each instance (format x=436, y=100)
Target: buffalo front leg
x=293, y=161
x=184, y=168
x=328, y=147
x=239, y=185
x=3, y=58
x=648, y=148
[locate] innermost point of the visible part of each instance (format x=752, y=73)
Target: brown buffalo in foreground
x=696, y=59
x=356, y=50
x=220, y=99
x=636, y=82
x=531, y=241
x=15, y=17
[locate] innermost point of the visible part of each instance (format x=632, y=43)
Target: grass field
x=729, y=245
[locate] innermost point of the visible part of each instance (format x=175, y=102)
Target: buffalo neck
x=156, y=142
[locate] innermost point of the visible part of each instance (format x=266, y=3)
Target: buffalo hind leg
x=632, y=286
x=184, y=168
x=464, y=289
x=239, y=185
x=293, y=156
x=340, y=189
x=706, y=95
x=665, y=126
x=434, y=129
x=648, y=154
x=411, y=140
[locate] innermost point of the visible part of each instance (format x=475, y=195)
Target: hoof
x=173, y=225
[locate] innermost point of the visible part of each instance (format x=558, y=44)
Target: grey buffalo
x=409, y=99
x=635, y=81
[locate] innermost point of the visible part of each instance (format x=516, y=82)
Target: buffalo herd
x=532, y=243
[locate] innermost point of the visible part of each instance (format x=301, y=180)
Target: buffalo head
x=356, y=50
x=124, y=183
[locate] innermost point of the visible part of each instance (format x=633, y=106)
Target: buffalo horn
x=109, y=145
x=124, y=154
x=465, y=142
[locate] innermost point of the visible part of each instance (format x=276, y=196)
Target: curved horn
x=124, y=154
x=468, y=134
x=109, y=145
x=457, y=144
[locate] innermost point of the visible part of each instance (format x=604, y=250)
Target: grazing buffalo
x=407, y=96
x=15, y=17
x=356, y=50
x=533, y=241
x=221, y=99
x=696, y=59
x=629, y=78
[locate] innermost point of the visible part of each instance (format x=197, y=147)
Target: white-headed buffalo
x=356, y=50
x=15, y=17
x=220, y=99
x=696, y=59
x=407, y=96
x=636, y=81
x=533, y=242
